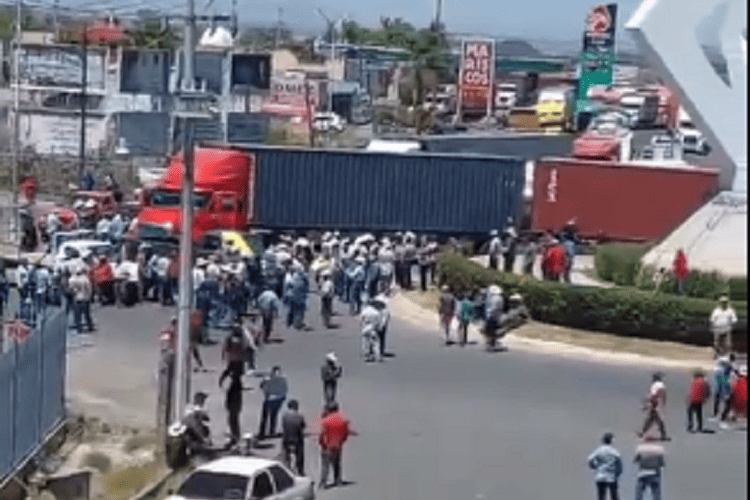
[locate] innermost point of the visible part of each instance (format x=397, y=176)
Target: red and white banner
x=477, y=74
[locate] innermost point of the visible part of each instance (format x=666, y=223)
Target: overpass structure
x=699, y=47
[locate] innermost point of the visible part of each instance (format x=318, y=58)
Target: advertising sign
x=477, y=74
x=600, y=28
x=285, y=90
x=596, y=67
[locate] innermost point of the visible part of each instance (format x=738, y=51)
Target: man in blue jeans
x=649, y=455
x=274, y=390
x=607, y=463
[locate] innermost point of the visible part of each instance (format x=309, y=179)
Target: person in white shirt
x=654, y=406
x=102, y=229
x=370, y=320
x=126, y=274
x=494, y=250
x=722, y=320
x=82, y=292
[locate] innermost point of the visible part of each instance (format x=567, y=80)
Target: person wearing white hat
x=723, y=318
x=330, y=373
x=494, y=305
x=494, y=250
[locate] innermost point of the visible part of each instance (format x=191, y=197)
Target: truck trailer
x=241, y=187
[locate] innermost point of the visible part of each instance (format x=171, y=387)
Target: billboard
x=596, y=66
x=476, y=75
x=286, y=90
x=600, y=28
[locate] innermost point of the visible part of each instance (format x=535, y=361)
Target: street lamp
x=332, y=30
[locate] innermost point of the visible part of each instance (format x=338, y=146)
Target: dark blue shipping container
x=298, y=188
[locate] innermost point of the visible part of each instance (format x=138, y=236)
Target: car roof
x=245, y=466
x=84, y=243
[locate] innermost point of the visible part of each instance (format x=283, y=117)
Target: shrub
x=619, y=262
x=623, y=311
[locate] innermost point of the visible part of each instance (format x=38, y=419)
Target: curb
x=408, y=310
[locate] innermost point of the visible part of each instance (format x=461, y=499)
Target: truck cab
x=555, y=108
x=222, y=196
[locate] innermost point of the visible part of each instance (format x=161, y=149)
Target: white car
x=71, y=253
x=324, y=122
x=692, y=140
x=244, y=478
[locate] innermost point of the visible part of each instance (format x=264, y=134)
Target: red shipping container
x=618, y=201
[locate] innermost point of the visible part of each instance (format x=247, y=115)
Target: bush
x=619, y=263
x=623, y=311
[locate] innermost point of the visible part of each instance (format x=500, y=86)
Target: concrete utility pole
x=189, y=77
x=182, y=367
x=16, y=105
x=84, y=77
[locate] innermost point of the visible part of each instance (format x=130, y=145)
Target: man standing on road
x=607, y=463
x=326, y=298
x=81, y=287
x=649, y=456
x=233, y=405
x=655, y=405
x=334, y=431
x=446, y=309
x=330, y=373
x=510, y=241
x=700, y=392
x=494, y=250
x=370, y=321
x=722, y=375
x=722, y=320
x=293, y=437
x=269, y=304
x=274, y=390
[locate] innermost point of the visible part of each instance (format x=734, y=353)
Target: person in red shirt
x=334, y=431
x=739, y=394
x=680, y=270
x=700, y=392
x=554, y=261
x=103, y=279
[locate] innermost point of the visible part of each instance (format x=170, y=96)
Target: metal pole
x=84, y=76
x=182, y=368
x=15, y=146
x=189, y=82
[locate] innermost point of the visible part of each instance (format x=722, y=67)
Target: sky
x=540, y=19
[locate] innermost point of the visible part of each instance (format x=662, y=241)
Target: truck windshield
x=172, y=199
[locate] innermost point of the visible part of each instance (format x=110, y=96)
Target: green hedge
x=622, y=311
x=619, y=263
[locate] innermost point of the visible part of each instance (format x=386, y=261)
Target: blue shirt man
x=607, y=464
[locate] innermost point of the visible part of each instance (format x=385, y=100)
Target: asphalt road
x=435, y=422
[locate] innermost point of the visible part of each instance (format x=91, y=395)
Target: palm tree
x=151, y=34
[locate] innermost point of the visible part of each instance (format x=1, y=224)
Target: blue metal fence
x=32, y=390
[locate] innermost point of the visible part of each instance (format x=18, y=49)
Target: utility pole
x=54, y=19
x=16, y=105
x=84, y=77
x=278, y=30
x=189, y=77
x=181, y=392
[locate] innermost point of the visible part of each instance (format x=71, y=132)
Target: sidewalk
x=541, y=338
x=583, y=266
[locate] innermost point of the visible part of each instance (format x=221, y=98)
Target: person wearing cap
x=510, y=241
x=655, y=405
x=446, y=310
x=410, y=258
x=723, y=318
x=494, y=250
x=607, y=462
x=722, y=386
x=330, y=373
x=649, y=455
x=370, y=320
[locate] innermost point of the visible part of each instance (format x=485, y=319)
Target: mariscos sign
x=477, y=74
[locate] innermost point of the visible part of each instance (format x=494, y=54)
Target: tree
x=150, y=34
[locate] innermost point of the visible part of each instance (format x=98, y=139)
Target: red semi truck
x=222, y=196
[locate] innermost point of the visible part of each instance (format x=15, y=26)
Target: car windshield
x=161, y=198
x=214, y=485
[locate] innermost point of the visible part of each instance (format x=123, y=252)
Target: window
x=227, y=205
x=282, y=478
x=262, y=487
x=172, y=199
x=214, y=485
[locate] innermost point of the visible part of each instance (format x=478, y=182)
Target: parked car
x=244, y=478
x=692, y=140
x=72, y=252
x=325, y=121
